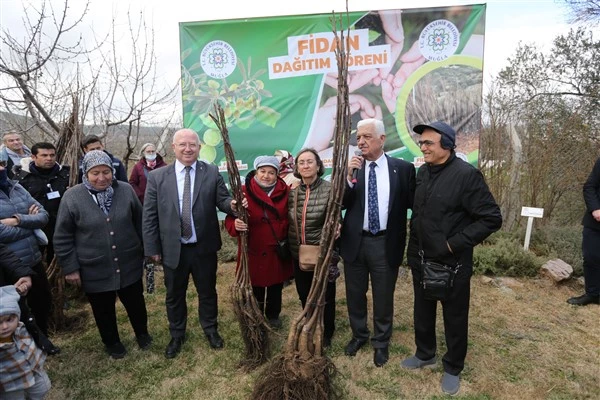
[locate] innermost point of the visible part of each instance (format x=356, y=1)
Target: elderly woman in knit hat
x=98, y=242
x=267, y=227
x=149, y=161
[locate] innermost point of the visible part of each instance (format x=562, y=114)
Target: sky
x=507, y=22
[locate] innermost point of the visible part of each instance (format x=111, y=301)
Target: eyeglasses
x=307, y=162
x=426, y=143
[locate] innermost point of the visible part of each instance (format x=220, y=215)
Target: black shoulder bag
x=283, y=247
x=437, y=279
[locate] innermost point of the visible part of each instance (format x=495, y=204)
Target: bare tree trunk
x=161, y=146
x=67, y=151
x=512, y=206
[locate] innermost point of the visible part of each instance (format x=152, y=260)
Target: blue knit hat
x=268, y=161
x=9, y=301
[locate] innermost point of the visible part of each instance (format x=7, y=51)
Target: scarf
x=151, y=164
x=266, y=189
x=91, y=160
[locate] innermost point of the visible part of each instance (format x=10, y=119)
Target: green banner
x=276, y=79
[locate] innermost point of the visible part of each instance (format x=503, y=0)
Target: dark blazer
x=161, y=222
x=402, y=189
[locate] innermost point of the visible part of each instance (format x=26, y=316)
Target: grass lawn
x=525, y=343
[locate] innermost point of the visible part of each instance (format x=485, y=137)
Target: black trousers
x=371, y=262
x=203, y=268
x=103, y=308
x=304, y=281
x=456, y=320
x=269, y=299
x=39, y=297
x=591, y=261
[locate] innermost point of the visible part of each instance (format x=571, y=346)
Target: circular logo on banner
x=439, y=40
x=218, y=59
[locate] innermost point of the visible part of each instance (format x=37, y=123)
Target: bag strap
x=296, y=214
x=270, y=226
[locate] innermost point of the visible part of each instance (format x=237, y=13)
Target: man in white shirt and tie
x=181, y=229
x=374, y=236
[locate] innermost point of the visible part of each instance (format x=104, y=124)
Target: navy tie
x=373, y=201
x=186, y=208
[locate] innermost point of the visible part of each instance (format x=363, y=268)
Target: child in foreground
x=22, y=374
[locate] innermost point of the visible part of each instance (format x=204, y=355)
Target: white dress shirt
x=180, y=172
x=383, y=191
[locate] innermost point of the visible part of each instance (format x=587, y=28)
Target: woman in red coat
x=267, y=196
x=149, y=161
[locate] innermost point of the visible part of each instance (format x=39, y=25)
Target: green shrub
x=502, y=254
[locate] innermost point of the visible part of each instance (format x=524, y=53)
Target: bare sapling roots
x=253, y=326
x=303, y=371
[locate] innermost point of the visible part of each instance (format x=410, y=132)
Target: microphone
x=354, y=180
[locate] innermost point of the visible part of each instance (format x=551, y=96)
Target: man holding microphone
x=379, y=193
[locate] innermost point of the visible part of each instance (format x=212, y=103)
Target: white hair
x=377, y=124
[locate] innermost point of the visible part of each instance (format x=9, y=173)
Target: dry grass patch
x=525, y=343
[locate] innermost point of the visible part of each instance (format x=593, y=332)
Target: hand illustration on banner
x=321, y=133
x=412, y=59
x=390, y=87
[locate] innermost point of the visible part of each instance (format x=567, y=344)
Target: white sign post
x=532, y=213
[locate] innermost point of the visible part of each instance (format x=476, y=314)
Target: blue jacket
x=21, y=239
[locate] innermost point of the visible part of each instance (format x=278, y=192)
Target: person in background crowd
x=98, y=243
x=149, y=160
x=14, y=151
x=93, y=142
x=453, y=212
x=591, y=240
x=267, y=196
x=22, y=372
x=20, y=216
x=286, y=168
x=181, y=229
x=307, y=209
x=374, y=236
x=46, y=181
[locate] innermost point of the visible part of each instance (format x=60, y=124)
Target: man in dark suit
x=591, y=240
x=180, y=227
x=374, y=236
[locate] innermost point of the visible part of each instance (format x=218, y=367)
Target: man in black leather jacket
x=453, y=211
x=46, y=181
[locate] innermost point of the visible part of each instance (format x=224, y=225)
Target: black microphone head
x=357, y=152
